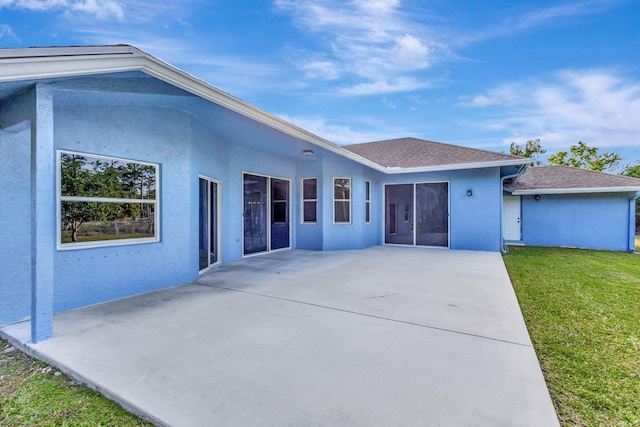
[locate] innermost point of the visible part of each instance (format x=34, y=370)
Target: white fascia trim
x=42, y=63
x=573, y=190
x=458, y=166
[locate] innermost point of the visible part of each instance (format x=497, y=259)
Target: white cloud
x=6, y=31
x=320, y=68
x=343, y=134
x=33, y=4
x=402, y=84
x=103, y=9
x=234, y=74
x=377, y=5
x=371, y=40
x=598, y=106
x=379, y=43
x=518, y=22
x=504, y=95
x=411, y=51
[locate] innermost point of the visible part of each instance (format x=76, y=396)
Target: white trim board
x=584, y=190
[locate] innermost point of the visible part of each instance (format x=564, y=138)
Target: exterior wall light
x=307, y=152
x=537, y=197
x=469, y=193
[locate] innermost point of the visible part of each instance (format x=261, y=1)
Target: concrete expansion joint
x=357, y=313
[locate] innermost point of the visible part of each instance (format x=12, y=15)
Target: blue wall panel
x=88, y=276
x=309, y=236
x=15, y=223
x=245, y=159
x=210, y=158
x=595, y=221
x=357, y=234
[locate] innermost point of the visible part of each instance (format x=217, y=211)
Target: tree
x=634, y=172
x=585, y=157
x=75, y=182
x=531, y=148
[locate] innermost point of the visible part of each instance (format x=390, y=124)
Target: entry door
x=417, y=214
x=208, y=222
x=266, y=214
x=511, y=218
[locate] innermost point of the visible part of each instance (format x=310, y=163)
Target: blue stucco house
x=121, y=174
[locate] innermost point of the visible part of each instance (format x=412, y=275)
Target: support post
x=43, y=214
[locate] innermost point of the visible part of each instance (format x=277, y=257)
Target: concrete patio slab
x=382, y=336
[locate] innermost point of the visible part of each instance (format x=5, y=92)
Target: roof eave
x=458, y=166
x=531, y=192
x=18, y=64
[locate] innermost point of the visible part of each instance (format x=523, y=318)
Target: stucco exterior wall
x=91, y=275
x=357, y=234
x=594, y=221
x=309, y=236
x=15, y=223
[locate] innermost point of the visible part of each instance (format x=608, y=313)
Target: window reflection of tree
x=342, y=199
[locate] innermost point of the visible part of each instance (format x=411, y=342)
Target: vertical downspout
x=520, y=172
x=632, y=223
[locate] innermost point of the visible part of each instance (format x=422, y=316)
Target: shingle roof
x=416, y=153
x=566, y=179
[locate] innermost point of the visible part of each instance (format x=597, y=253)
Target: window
x=342, y=200
x=367, y=201
x=106, y=201
x=393, y=218
x=407, y=212
x=279, y=201
x=310, y=200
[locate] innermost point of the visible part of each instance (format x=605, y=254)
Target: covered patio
x=381, y=336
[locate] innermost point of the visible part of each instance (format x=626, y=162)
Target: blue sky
x=474, y=73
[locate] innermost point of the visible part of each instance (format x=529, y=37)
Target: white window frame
x=302, y=221
x=104, y=243
x=333, y=191
x=218, y=202
x=367, y=202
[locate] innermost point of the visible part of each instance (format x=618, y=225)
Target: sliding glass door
x=208, y=209
x=255, y=214
x=266, y=213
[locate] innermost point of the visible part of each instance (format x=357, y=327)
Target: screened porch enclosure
x=417, y=214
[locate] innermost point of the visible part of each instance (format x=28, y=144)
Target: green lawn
x=34, y=394
x=582, y=309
